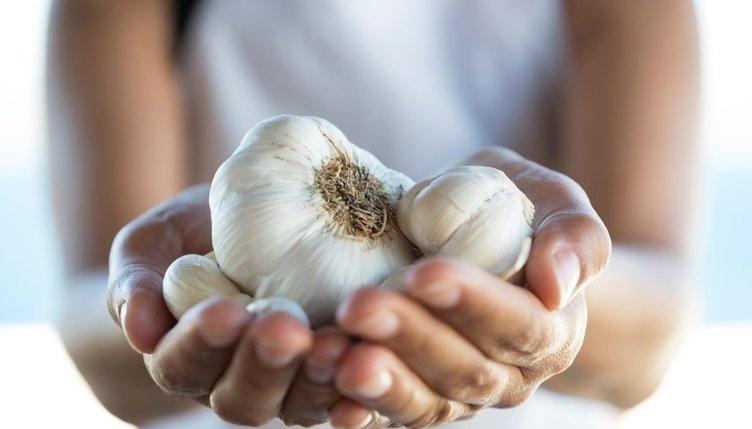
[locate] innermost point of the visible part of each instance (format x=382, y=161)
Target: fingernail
x=377, y=386
x=121, y=314
x=379, y=326
x=271, y=355
x=365, y=422
x=219, y=333
x=265, y=306
x=121, y=319
x=318, y=372
x=439, y=295
x=567, y=273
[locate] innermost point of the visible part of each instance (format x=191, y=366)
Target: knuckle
x=561, y=362
x=297, y=419
x=174, y=381
x=525, y=344
x=231, y=411
x=171, y=382
x=527, y=338
x=516, y=396
x=445, y=411
x=476, y=388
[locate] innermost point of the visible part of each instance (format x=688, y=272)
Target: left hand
x=244, y=366
x=461, y=340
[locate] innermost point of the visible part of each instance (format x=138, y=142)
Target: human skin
x=626, y=139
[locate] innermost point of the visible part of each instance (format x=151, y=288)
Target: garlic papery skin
x=191, y=279
x=298, y=211
x=472, y=213
x=265, y=306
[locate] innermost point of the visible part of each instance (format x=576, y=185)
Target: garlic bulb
x=191, y=279
x=298, y=211
x=472, y=213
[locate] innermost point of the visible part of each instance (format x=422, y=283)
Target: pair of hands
x=457, y=341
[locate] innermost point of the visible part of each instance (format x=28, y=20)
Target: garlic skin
x=298, y=211
x=265, y=306
x=191, y=279
x=472, y=213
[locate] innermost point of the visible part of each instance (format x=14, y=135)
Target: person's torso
x=418, y=83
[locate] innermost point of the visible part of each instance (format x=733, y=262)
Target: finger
x=140, y=254
x=569, y=250
x=471, y=300
x=373, y=376
x=253, y=388
x=448, y=363
x=349, y=414
x=571, y=244
x=192, y=356
x=312, y=392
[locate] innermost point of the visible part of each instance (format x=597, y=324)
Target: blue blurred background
x=29, y=261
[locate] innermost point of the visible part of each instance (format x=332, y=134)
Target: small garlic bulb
x=473, y=213
x=191, y=279
x=298, y=211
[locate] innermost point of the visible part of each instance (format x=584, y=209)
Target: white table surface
x=707, y=387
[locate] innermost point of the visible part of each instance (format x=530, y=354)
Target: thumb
x=569, y=250
x=140, y=255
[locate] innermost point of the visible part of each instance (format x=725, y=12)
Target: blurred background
x=29, y=258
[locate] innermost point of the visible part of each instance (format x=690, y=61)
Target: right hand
x=244, y=366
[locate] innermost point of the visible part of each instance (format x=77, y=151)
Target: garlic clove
x=473, y=213
x=191, y=279
x=298, y=211
x=515, y=273
x=450, y=198
x=492, y=238
x=265, y=306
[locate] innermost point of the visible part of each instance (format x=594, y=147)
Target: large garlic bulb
x=472, y=213
x=297, y=211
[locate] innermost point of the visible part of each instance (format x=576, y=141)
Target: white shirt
x=419, y=83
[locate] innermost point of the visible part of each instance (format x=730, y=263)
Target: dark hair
x=184, y=10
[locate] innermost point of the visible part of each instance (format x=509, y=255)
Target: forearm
x=115, y=150
x=629, y=120
x=639, y=309
x=116, y=125
x=629, y=139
